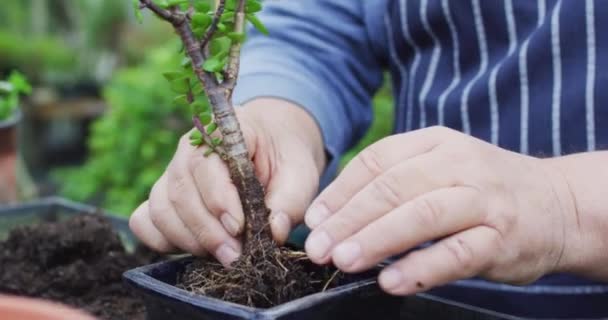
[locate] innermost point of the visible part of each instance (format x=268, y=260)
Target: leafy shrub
x=10, y=89
x=130, y=146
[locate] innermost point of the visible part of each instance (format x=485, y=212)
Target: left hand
x=497, y=214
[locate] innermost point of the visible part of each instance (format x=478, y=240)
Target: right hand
x=194, y=207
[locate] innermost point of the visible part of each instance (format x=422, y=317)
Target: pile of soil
x=78, y=261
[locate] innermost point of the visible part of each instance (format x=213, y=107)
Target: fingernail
x=230, y=224
x=281, y=222
x=316, y=215
x=390, y=278
x=226, y=254
x=318, y=245
x=346, y=254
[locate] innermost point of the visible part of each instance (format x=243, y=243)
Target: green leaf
x=19, y=82
x=197, y=88
x=230, y=5
x=252, y=6
x=205, y=117
x=219, y=44
x=172, y=75
x=177, y=2
x=198, y=107
x=162, y=3
x=237, y=37
x=181, y=85
x=202, y=5
x=216, y=141
x=181, y=101
x=208, y=152
x=222, y=27
x=196, y=135
x=196, y=142
x=186, y=63
x=201, y=20
x=211, y=127
x=199, y=32
x=214, y=64
x=227, y=17
x=137, y=11
x=257, y=23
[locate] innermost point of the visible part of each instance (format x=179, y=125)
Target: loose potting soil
x=78, y=261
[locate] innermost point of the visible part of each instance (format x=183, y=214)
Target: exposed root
x=331, y=279
x=265, y=277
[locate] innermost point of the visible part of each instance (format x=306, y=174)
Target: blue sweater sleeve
x=319, y=55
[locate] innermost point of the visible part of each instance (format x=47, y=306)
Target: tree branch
x=216, y=20
x=165, y=14
x=232, y=71
x=208, y=140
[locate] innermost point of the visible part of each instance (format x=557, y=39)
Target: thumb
x=290, y=192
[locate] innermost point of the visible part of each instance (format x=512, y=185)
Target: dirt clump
x=78, y=261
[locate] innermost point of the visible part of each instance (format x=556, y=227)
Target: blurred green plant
x=71, y=41
x=130, y=146
x=10, y=90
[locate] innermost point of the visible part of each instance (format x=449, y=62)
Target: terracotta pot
x=8, y=158
x=18, y=308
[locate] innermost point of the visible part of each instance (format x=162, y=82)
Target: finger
x=431, y=216
x=386, y=192
x=144, y=229
x=290, y=191
x=460, y=256
x=366, y=166
x=212, y=179
x=216, y=190
x=166, y=220
x=184, y=197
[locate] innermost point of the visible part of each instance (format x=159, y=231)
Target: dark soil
x=78, y=261
x=264, y=277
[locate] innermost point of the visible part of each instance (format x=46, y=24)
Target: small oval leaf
x=205, y=117
x=181, y=85
x=211, y=127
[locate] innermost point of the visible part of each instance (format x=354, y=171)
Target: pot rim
x=12, y=120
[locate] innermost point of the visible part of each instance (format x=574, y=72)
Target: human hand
x=496, y=214
x=194, y=206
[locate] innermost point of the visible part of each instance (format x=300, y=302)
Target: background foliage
x=72, y=42
x=132, y=143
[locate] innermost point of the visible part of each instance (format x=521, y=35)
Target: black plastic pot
x=361, y=298
x=55, y=209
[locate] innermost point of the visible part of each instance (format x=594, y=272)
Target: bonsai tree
x=211, y=35
x=10, y=90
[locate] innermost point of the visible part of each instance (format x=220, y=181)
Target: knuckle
x=205, y=237
x=157, y=215
x=502, y=218
x=177, y=189
x=461, y=252
x=426, y=212
x=195, y=161
x=439, y=131
x=340, y=226
x=387, y=188
x=370, y=159
x=220, y=197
